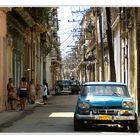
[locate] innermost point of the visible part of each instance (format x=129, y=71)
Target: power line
x=78, y=19
x=65, y=28
x=70, y=41
x=64, y=33
x=69, y=36
x=77, y=16
x=66, y=38
x=65, y=45
x=65, y=18
x=72, y=21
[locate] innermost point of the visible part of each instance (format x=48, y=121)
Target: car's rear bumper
x=65, y=91
x=109, y=118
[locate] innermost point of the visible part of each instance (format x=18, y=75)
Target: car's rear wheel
x=78, y=125
x=133, y=125
x=57, y=93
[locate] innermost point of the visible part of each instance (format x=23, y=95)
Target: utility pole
x=97, y=47
x=101, y=46
x=110, y=46
x=85, y=69
x=76, y=14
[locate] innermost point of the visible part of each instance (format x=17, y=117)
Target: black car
x=63, y=86
x=75, y=87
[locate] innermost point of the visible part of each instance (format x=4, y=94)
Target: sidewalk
x=10, y=116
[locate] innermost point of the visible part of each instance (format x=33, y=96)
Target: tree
x=110, y=46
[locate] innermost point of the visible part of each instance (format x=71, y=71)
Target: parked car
x=63, y=86
x=105, y=103
x=75, y=87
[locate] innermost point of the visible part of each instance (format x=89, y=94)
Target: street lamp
x=85, y=67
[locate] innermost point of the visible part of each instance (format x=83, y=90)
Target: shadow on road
x=103, y=128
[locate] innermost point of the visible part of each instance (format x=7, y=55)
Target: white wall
x=48, y=71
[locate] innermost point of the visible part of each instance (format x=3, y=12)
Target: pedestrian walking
x=23, y=89
x=44, y=92
x=12, y=97
x=47, y=87
x=32, y=91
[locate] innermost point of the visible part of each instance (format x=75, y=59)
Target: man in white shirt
x=44, y=92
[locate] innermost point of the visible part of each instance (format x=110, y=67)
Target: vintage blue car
x=105, y=103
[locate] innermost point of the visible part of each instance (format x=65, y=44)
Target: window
x=104, y=90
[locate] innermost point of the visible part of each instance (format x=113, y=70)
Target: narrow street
x=54, y=117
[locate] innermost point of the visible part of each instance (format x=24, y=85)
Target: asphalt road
x=54, y=117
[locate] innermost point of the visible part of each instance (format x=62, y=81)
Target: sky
x=67, y=28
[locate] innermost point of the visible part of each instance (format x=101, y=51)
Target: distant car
x=75, y=87
x=105, y=103
x=63, y=86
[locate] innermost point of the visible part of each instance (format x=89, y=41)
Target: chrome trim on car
x=64, y=91
x=97, y=117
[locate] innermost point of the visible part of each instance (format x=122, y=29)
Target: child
x=12, y=98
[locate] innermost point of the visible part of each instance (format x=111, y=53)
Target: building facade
x=125, y=23
x=24, y=52
x=3, y=58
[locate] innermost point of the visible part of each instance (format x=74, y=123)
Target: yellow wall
x=3, y=65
